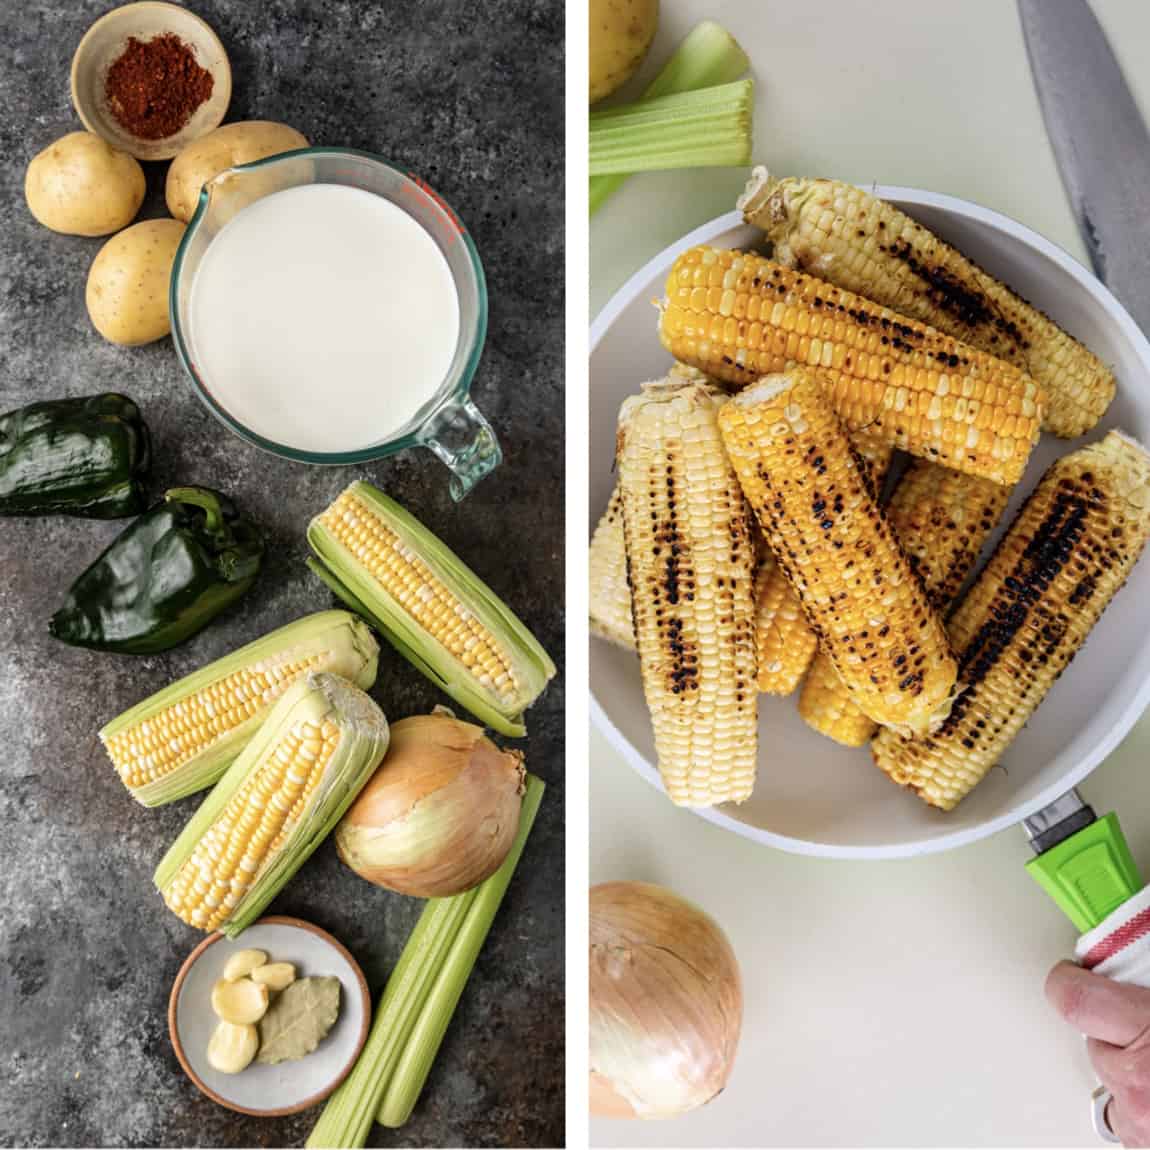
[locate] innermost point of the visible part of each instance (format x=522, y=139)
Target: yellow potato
x=82, y=186
x=621, y=32
x=232, y=144
x=127, y=294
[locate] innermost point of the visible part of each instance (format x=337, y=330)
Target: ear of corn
x=817, y=509
x=839, y=233
x=690, y=558
x=284, y=794
x=738, y=317
x=826, y=706
x=1068, y=551
x=784, y=641
x=785, y=645
x=182, y=739
x=430, y=606
x=941, y=519
x=609, y=595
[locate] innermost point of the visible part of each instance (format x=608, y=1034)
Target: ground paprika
x=154, y=86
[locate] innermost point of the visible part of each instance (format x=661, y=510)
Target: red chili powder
x=154, y=86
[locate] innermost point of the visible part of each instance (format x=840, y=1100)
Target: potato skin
x=81, y=186
x=232, y=144
x=127, y=292
x=621, y=32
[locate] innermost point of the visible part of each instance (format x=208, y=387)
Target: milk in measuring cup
x=324, y=317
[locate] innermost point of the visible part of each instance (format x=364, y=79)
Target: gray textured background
x=470, y=95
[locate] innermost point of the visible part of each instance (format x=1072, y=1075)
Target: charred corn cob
x=690, y=559
x=818, y=512
x=839, y=233
x=610, y=597
x=278, y=801
x=784, y=641
x=431, y=607
x=182, y=739
x=738, y=317
x=1069, y=550
x=941, y=519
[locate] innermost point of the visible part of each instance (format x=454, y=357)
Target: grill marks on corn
x=153, y=747
x=738, y=316
x=1019, y=603
x=689, y=563
x=969, y=306
x=672, y=581
x=941, y=519
x=814, y=503
x=405, y=576
x=785, y=642
x=1064, y=557
x=864, y=245
x=252, y=827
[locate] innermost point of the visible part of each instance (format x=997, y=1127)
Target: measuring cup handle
x=461, y=436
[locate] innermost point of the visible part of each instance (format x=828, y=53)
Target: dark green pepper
x=84, y=457
x=164, y=577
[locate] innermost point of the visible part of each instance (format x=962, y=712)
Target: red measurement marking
x=432, y=194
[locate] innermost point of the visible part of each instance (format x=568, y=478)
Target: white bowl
x=287, y=1087
x=812, y=796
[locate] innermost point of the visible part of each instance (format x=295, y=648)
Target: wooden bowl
x=288, y=1087
x=101, y=47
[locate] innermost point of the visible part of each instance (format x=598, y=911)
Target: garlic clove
x=276, y=976
x=242, y=963
x=232, y=1047
x=240, y=1002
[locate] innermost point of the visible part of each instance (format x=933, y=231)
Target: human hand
x=1115, y=1017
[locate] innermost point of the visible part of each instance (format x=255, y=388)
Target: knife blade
x=1100, y=143
x=1081, y=861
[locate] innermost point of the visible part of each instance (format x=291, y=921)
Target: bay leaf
x=299, y=1019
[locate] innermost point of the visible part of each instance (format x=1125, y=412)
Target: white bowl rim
x=1139, y=700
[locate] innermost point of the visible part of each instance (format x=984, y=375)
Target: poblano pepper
x=85, y=457
x=164, y=577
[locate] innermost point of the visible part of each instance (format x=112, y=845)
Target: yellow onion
x=440, y=814
x=666, y=1003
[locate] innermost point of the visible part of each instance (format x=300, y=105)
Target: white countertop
x=896, y=1003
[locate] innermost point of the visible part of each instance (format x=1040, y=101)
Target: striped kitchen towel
x=1119, y=947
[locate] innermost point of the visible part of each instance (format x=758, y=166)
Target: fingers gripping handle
x=1118, y=948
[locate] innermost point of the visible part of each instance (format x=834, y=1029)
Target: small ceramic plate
x=270, y=1091
x=101, y=47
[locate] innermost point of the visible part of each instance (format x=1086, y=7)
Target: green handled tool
x=1082, y=861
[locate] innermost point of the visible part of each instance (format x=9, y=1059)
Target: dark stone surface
x=470, y=96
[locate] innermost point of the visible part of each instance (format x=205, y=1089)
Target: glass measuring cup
x=449, y=424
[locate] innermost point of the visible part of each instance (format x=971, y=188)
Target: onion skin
x=666, y=1003
x=441, y=812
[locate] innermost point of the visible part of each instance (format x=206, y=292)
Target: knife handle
x=1089, y=874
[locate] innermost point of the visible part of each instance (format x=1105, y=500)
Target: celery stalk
x=707, y=128
x=708, y=55
x=438, y=936
x=350, y=1111
x=415, y=1063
